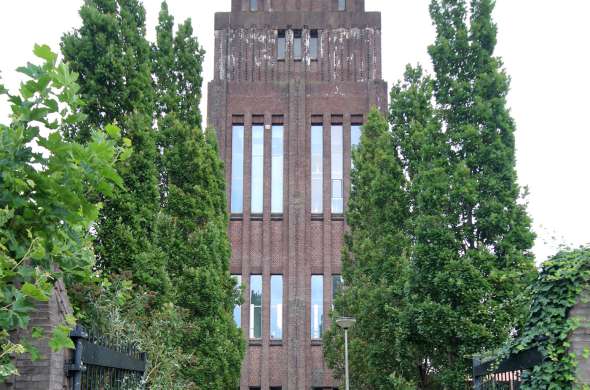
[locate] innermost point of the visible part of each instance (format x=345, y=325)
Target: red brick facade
x=250, y=81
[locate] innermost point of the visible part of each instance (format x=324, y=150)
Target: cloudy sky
x=544, y=44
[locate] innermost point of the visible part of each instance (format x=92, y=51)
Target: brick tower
x=293, y=82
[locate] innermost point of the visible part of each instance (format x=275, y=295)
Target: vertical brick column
x=580, y=339
x=48, y=372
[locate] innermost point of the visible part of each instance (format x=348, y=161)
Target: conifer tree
x=375, y=267
x=112, y=57
x=467, y=257
x=194, y=227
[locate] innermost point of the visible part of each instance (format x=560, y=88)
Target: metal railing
x=506, y=374
x=102, y=364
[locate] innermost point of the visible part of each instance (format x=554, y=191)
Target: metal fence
x=101, y=364
x=491, y=374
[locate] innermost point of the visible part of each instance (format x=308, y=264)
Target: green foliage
x=375, y=264
x=45, y=207
x=459, y=233
x=170, y=223
x=563, y=282
x=193, y=225
x=112, y=56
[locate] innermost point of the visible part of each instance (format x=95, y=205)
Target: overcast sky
x=544, y=44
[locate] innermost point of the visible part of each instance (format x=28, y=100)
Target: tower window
x=297, y=45
x=341, y=5
x=237, y=169
x=257, y=168
x=281, y=45
x=313, y=44
x=317, y=306
x=276, y=307
x=317, y=168
x=276, y=191
x=237, y=307
x=255, y=306
x=337, y=169
x=253, y=5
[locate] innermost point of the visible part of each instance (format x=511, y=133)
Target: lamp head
x=345, y=322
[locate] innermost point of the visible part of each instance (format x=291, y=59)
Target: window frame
x=277, y=191
x=257, y=170
x=318, y=183
x=337, y=169
x=237, y=165
x=253, y=307
x=316, y=333
x=341, y=5
x=276, y=308
x=314, y=49
x=281, y=45
x=237, y=312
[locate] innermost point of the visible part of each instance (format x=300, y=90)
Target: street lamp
x=346, y=323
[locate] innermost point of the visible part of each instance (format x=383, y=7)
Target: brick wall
x=47, y=373
x=580, y=339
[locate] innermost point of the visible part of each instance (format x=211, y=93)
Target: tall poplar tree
x=112, y=57
x=468, y=256
x=194, y=224
x=375, y=266
x=471, y=255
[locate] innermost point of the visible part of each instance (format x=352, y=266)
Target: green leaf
x=32, y=291
x=113, y=131
x=44, y=52
x=37, y=332
x=60, y=338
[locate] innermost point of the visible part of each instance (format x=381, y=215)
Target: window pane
x=276, y=192
x=253, y=5
x=317, y=168
x=257, y=168
x=281, y=45
x=341, y=5
x=237, y=170
x=297, y=45
x=317, y=306
x=255, y=306
x=276, y=307
x=238, y=308
x=337, y=170
x=355, y=140
x=313, y=44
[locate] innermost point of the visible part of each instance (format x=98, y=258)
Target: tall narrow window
x=355, y=139
x=237, y=169
x=341, y=5
x=281, y=45
x=276, y=307
x=276, y=192
x=317, y=306
x=238, y=308
x=313, y=44
x=255, y=306
x=297, y=45
x=253, y=5
x=337, y=169
x=317, y=168
x=257, y=197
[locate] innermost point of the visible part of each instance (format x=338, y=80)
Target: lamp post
x=346, y=323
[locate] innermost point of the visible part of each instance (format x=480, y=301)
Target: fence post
x=476, y=378
x=76, y=368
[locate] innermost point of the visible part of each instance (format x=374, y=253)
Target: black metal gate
x=101, y=364
x=491, y=374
